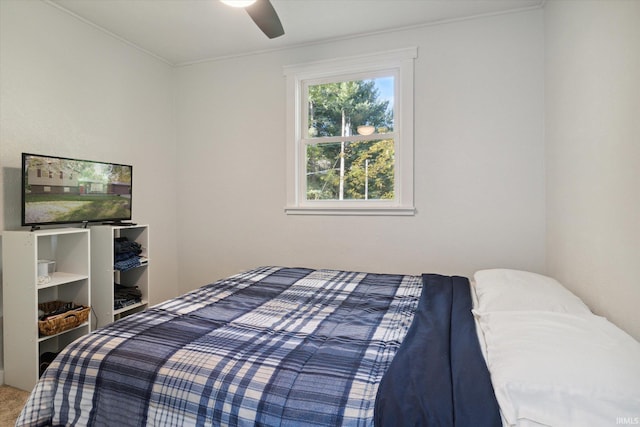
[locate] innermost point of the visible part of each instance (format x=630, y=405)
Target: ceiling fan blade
x=266, y=18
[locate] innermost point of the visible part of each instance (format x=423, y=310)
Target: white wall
x=479, y=146
x=68, y=89
x=593, y=153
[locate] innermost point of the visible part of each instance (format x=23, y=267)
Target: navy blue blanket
x=439, y=376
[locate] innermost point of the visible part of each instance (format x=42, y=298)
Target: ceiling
x=187, y=31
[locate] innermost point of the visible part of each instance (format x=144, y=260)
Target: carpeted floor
x=11, y=402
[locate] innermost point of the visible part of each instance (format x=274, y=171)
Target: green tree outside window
x=361, y=164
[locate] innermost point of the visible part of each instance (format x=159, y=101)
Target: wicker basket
x=64, y=321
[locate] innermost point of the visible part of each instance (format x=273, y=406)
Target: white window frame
x=399, y=63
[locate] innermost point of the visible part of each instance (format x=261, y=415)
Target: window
x=350, y=135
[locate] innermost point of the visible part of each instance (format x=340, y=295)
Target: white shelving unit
x=22, y=292
x=104, y=276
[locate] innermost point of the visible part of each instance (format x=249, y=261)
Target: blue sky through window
x=385, y=86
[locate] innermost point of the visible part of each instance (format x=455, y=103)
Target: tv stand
x=105, y=274
x=23, y=291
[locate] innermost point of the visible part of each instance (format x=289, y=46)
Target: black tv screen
x=59, y=190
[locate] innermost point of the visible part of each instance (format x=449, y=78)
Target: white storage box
x=46, y=267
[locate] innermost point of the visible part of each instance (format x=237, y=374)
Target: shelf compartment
x=129, y=308
x=60, y=278
x=43, y=338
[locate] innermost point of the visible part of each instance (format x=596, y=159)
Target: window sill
x=362, y=211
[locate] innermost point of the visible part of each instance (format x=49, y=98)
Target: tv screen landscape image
x=58, y=190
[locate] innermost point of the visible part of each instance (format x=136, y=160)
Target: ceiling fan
x=262, y=13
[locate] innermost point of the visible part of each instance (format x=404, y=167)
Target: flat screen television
x=60, y=190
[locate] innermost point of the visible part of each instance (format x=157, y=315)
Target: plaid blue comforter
x=272, y=346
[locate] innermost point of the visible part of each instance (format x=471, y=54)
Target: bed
x=279, y=346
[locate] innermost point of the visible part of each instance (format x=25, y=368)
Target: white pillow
x=558, y=369
x=513, y=290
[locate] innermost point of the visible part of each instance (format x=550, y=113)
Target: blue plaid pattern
x=271, y=346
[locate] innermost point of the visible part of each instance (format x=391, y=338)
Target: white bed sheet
x=553, y=362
